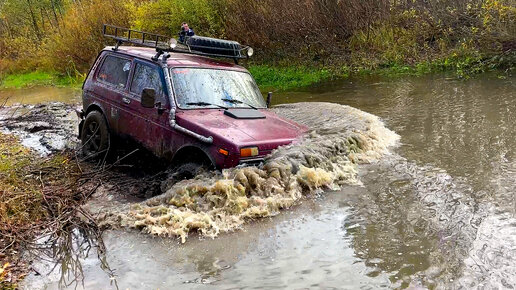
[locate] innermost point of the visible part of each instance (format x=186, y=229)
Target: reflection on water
x=39, y=94
x=440, y=212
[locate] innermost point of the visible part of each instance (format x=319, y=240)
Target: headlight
x=172, y=43
x=250, y=52
x=249, y=151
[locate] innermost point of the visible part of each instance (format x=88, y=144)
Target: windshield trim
x=170, y=68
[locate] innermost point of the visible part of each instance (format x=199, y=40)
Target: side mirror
x=148, y=98
x=269, y=98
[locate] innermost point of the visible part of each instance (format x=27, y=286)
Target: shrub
x=72, y=49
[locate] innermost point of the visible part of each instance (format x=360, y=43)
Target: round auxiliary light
x=172, y=43
x=250, y=52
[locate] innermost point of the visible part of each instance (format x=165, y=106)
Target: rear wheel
x=95, y=137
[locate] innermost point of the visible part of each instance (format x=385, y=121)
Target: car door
x=146, y=125
x=111, y=82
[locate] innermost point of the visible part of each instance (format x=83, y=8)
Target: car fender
x=96, y=106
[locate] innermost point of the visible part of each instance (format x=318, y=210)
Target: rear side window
x=146, y=77
x=115, y=70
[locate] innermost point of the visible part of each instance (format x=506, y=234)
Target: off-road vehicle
x=180, y=101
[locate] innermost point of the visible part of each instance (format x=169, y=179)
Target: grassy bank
x=39, y=78
x=280, y=78
x=462, y=66
x=283, y=78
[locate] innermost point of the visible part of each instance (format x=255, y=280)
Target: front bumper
x=251, y=161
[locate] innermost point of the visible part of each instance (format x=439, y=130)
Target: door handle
x=126, y=100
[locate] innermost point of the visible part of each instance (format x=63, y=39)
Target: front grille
x=251, y=161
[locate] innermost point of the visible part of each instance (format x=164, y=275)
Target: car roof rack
x=197, y=45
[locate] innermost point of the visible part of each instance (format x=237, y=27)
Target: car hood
x=267, y=133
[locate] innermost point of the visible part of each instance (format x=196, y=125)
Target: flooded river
x=438, y=211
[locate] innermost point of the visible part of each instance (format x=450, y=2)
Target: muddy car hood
x=267, y=133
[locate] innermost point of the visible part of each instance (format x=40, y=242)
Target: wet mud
x=45, y=128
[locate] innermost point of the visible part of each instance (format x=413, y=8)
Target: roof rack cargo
x=198, y=45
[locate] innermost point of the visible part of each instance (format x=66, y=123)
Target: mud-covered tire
x=95, y=137
x=184, y=171
x=189, y=170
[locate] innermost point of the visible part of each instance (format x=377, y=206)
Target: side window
x=115, y=70
x=146, y=76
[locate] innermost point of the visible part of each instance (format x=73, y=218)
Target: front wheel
x=189, y=170
x=184, y=171
x=95, y=136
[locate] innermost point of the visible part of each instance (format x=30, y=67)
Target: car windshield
x=214, y=88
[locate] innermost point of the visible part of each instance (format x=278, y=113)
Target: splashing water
x=341, y=137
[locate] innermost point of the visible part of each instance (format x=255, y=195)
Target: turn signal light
x=223, y=152
x=248, y=152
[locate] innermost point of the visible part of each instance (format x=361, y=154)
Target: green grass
x=39, y=78
x=284, y=78
x=462, y=66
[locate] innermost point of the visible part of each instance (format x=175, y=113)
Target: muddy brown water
x=438, y=212
x=39, y=94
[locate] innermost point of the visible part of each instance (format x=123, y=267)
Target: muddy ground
x=53, y=127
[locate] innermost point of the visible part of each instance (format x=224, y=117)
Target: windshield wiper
x=205, y=104
x=238, y=102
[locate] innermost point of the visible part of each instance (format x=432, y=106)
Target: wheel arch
x=94, y=107
x=91, y=108
x=191, y=152
x=97, y=107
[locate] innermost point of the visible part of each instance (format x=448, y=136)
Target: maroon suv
x=189, y=109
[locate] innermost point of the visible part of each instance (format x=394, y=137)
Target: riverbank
x=38, y=197
x=282, y=78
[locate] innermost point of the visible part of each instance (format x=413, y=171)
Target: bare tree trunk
x=53, y=5
x=34, y=21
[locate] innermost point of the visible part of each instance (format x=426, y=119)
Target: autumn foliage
x=65, y=35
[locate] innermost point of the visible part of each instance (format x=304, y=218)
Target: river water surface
x=438, y=212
